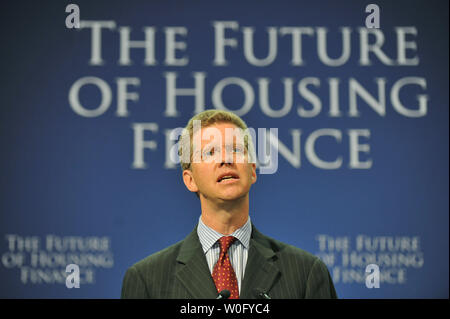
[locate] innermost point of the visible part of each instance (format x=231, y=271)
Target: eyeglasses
x=211, y=153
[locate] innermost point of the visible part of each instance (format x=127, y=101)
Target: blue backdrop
x=371, y=189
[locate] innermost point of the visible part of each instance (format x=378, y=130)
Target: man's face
x=220, y=170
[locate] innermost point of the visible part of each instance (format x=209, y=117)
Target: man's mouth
x=227, y=177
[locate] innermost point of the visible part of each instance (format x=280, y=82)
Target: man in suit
x=225, y=252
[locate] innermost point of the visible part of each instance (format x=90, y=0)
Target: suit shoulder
x=307, y=272
x=308, y=264
x=157, y=259
x=284, y=250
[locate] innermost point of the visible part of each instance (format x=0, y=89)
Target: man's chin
x=226, y=196
x=232, y=196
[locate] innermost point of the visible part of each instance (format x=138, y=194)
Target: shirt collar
x=208, y=236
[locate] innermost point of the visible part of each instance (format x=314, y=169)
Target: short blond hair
x=208, y=118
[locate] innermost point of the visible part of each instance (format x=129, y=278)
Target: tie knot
x=225, y=242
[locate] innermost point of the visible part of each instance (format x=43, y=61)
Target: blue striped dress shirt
x=238, y=250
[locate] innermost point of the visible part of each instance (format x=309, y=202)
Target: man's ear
x=189, y=181
x=254, y=176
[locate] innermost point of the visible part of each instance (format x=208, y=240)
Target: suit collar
x=192, y=269
x=260, y=271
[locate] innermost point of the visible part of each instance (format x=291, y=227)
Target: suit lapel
x=192, y=269
x=260, y=271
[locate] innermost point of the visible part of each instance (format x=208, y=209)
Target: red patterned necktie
x=223, y=274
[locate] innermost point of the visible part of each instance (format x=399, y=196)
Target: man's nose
x=227, y=156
